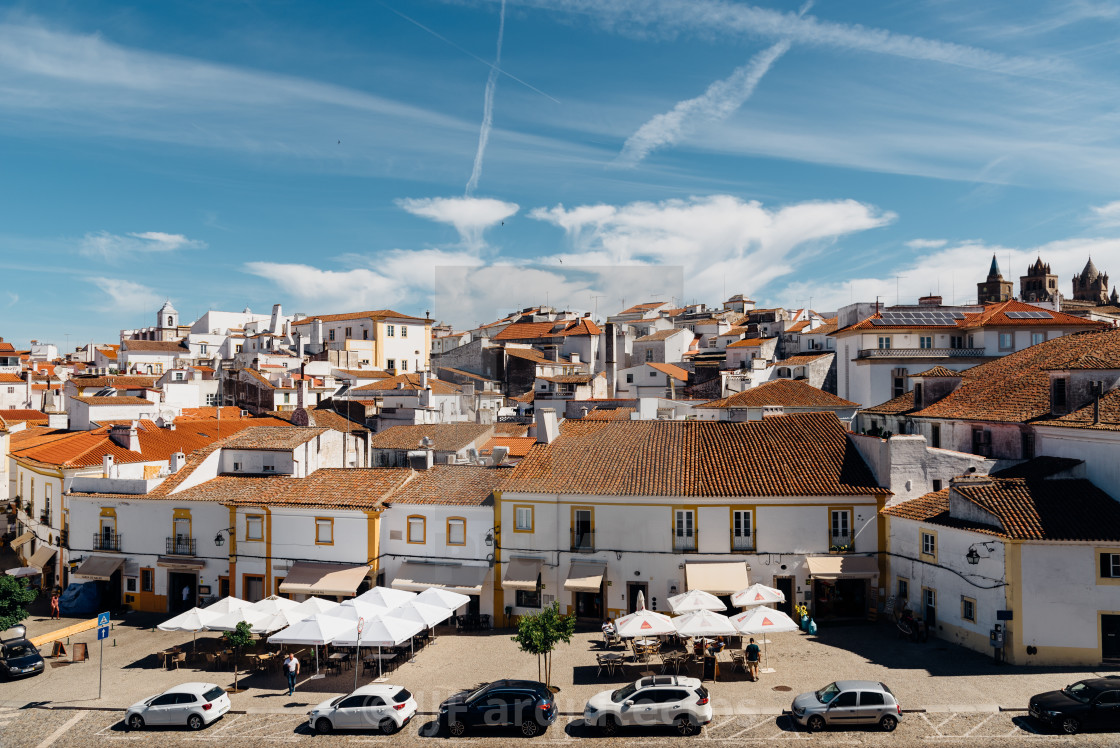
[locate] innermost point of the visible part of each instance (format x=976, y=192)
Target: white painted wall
x=1099, y=450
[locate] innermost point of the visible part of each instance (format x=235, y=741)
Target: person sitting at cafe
x=609, y=631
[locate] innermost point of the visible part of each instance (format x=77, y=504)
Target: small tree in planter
x=539, y=633
x=14, y=595
x=239, y=638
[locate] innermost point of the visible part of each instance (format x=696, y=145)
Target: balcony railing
x=840, y=542
x=684, y=543
x=921, y=352
x=106, y=541
x=741, y=542
x=45, y=517
x=63, y=538
x=583, y=541
x=181, y=546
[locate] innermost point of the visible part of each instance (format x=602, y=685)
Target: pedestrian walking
x=752, y=660
x=54, y=605
x=291, y=669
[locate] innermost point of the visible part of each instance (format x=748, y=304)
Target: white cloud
x=109, y=246
x=488, y=106
x=926, y=243
x=1107, y=214
x=718, y=102
x=127, y=296
x=470, y=216
x=13, y=299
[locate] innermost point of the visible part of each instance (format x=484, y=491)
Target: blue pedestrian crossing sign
x=102, y=633
x=102, y=619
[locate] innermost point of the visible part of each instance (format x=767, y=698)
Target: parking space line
x=61, y=731
x=983, y=722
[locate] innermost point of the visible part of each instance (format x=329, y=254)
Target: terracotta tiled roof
x=324, y=417
x=530, y=354
x=797, y=455
x=261, y=378
x=803, y=359
x=122, y=382
x=446, y=437
x=537, y=330
x=359, y=488
x=281, y=438
x=210, y=413
x=995, y=315
x=411, y=383
x=799, y=326
x=525, y=398
x=568, y=379
x=939, y=371
x=1107, y=418
x=785, y=392
x=11, y=378
x=897, y=406
x=659, y=335
x=7, y=348
x=1016, y=388
x=455, y=485
x=366, y=373
x=639, y=308
x=154, y=346
x=609, y=414
x=1039, y=468
x=467, y=374
x=114, y=400
x=375, y=314
x=511, y=429
x=748, y=342
x=1027, y=510
x=519, y=446
x=675, y=372
x=583, y=326
x=23, y=415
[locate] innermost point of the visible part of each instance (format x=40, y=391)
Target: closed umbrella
x=380, y=631
x=386, y=597
x=444, y=598
x=193, y=620
x=228, y=605
x=644, y=623
x=704, y=623
x=763, y=620
x=640, y=602
x=694, y=600
x=757, y=594
x=274, y=604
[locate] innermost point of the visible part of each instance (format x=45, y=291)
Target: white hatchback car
x=657, y=700
x=381, y=707
x=192, y=704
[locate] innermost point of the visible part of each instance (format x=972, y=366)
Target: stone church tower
x=1091, y=285
x=995, y=288
x=1039, y=284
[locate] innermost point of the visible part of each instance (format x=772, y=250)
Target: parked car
x=382, y=707
x=525, y=704
x=657, y=700
x=18, y=657
x=848, y=702
x=1092, y=703
x=192, y=704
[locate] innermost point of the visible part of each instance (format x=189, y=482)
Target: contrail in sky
x=488, y=105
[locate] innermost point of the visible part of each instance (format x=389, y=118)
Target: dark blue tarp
x=80, y=598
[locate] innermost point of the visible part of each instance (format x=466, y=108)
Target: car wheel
x=815, y=723
x=1071, y=725
x=685, y=726
x=608, y=725
x=136, y=722
x=387, y=726
x=195, y=722
x=323, y=726
x=456, y=728
x=888, y=723
x=529, y=727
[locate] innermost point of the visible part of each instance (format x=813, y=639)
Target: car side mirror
x=629, y=702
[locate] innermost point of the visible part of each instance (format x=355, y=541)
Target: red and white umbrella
x=757, y=594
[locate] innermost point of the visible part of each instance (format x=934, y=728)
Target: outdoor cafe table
x=166, y=655
x=646, y=642
x=343, y=658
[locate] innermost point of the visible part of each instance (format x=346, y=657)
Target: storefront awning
x=27, y=537
x=417, y=577
x=722, y=578
x=836, y=567
x=178, y=562
x=42, y=557
x=585, y=576
x=323, y=579
x=522, y=574
x=99, y=567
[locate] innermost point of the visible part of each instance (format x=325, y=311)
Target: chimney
x=929, y=301
x=274, y=324
x=126, y=437
x=177, y=461
x=424, y=379
x=107, y=466
x=548, y=427
x=575, y=358
x=499, y=455
x=420, y=459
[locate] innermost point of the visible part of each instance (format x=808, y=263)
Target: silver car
x=848, y=702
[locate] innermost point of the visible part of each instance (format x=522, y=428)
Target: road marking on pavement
x=62, y=730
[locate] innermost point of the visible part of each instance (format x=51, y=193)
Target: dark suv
x=1093, y=703
x=524, y=704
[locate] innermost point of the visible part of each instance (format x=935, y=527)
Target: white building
x=381, y=339
x=651, y=380
x=777, y=397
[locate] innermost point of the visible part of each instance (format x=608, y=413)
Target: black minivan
x=1087, y=704
x=525, y=704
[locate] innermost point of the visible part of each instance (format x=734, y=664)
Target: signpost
x=102, y=635
x=358, y=651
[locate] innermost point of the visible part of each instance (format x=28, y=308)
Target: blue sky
x=230, y=154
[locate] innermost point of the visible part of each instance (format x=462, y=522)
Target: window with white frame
x=1006, y=341
x=841, y=526
x=254, y=527
x=416, y=529
x=456, y=531
x=1038, y=337
x=925, y=341
x=884, y=342
x=742, y=530
x=1110, y=565
x=324, y=531
x=523, y=519
x=404, y=331
x=968, y=609
x=684, y=530
x=390, y=330
x=390, y=363
x=929, y=544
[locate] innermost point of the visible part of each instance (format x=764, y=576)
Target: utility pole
x=595, y=298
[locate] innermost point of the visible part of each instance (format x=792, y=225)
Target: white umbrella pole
x=379, y=662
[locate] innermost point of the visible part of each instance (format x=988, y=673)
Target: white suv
x=658, y=700
x=192, y=704
x=383, y=707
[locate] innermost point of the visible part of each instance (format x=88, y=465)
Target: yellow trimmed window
x=456, y=529
x=417, y=529
x=324, y=531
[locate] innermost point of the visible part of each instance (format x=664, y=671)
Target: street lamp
x=219, y=540
x=973, y=557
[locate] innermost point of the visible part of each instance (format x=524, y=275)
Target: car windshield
x=477, y=692
x=336, y=701
x=1082, y=692
x=828, y=693
x=19, y=649
x=623, y=693
x=213, y=693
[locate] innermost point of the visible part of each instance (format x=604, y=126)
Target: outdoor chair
x=484, y=621
x=738, y=660
x=178, y=657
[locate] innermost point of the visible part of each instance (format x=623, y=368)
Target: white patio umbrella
x=380, y=631
x=444, y=598
x=763, y=620
x=704, y=623
x=354, y=609
x=315, y=631
x=386, y=597
x=757, y=594
x=274, y=604
x=644, y=623
x=314, y=605
x=228, y=605
x=23, y=571
x=694, y=600
x=193, y=620
x=229, y=621
x=414, y=610
x=276, y=621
